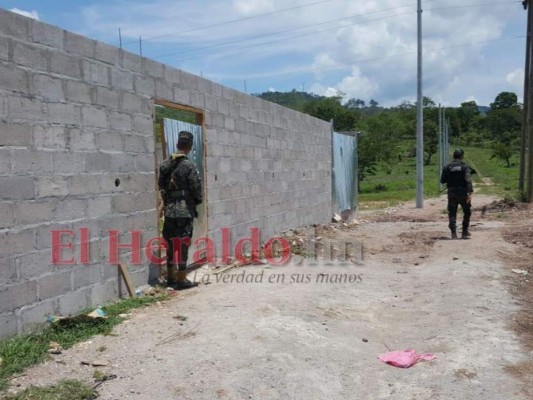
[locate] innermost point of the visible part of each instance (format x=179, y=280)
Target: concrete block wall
x=77, y=151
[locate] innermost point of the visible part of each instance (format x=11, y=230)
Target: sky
x=363, y=49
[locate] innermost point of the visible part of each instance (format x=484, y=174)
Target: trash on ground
x=520, y=271
x=100, y=363
x=98, y=313
x=54, y=348
x=95, y=316
x=405, y=359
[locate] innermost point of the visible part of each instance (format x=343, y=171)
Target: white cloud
x=470, y=98
x=251, y=7
x=30, y=14
x=321, y=44
x=516, y=79
x=355, y=85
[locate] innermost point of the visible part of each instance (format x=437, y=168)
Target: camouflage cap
x=185, y=138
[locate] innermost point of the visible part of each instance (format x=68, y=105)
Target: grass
x=397, y=183
x=504, y=179
x=21, y=352
x=66, y=389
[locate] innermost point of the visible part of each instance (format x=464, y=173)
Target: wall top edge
x=23, y=28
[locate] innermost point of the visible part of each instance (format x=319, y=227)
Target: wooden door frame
x=200, y=118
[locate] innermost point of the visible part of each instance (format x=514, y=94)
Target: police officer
x=456, y=176
x=181, y=191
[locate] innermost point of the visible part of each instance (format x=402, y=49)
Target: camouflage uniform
x=181, y=191
x=456, y=176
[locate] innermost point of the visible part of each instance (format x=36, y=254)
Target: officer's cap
x=458, y=153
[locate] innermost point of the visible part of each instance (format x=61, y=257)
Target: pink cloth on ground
x=405, y=359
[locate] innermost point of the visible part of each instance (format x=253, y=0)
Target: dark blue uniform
x=456, y=176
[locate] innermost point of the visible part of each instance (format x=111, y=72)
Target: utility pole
x=523, y=143
x=529, y=191
x=441, y=149
x=419, y=119
x=446, y=140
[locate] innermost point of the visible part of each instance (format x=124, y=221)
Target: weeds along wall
x=77, y=151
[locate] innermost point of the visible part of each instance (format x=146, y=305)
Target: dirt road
x=303, y=339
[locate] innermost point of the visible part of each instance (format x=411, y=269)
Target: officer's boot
x=453, y=228
x=182, y=282
x=465, y=234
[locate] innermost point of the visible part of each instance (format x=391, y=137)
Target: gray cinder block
x=94, y=117
x=47, y=88
x=8, y=321
x=73, y=302
x=17, y=295
x=48, y=35
x=14, y=134
x=59, y=113
x=17, y=187
x=96, y=73
x=32, y=212
x=51, y=186
x=79, y=45
x=55, y=284
x=30, y=55
x=108, y=98
x=32, y=317
x=13, y=79
x=64, y=64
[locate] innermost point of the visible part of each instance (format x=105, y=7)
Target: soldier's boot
x=454, y=234
x=182, y=282
x=171, y=275
x=465, y=234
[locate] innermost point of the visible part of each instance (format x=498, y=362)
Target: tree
x=329, y=108
x=431, y=140
x=427, y=102
x=354, y=104
x=468, y=116
x=377, y=142
x=504, y=100
x=502, y=151
x=373, y=103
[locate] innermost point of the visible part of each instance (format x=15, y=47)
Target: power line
x=237, y=20
x=341, y=66
x=473, y=5
x=287, y=31
x=320, y=31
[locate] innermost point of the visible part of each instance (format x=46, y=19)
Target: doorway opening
x=169, y=120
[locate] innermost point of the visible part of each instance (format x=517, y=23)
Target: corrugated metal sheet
x=172, y=129
x=345, y=189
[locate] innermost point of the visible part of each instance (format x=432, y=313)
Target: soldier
x=456, y=176
x=181, y=191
